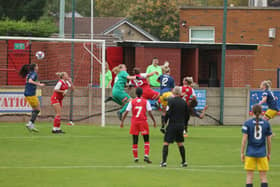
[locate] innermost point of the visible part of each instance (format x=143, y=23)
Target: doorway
x=209, y=68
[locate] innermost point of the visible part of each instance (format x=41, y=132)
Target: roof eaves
x=139, y=29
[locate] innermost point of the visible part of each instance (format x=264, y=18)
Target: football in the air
x=40, y=55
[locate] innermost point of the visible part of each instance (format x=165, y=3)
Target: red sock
x=135, y=150
x=56, y=122
x=147, y=148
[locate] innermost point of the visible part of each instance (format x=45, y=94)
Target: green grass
x=96, y=156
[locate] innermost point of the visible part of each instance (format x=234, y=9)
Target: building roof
x=82, y=25
x=139, y=29
x=101, y=25
x=69, y=15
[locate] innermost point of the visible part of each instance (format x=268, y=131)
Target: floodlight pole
x=91, y=44
x=72, y=58
x=223, y=64
x=61, y=18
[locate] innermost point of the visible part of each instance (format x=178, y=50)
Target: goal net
x=82, y=59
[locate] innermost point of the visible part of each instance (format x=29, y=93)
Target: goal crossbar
x=50, y=39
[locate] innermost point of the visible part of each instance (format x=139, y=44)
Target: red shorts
x=149, y=93
x=54, y=100
x=139, y=126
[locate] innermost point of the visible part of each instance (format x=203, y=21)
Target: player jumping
x=139, y=107
x=119, y=95
x=60, y=91
x=143, y=83
x=166, y=86
x=29, y=71
x=268, y=98
x=257, y=135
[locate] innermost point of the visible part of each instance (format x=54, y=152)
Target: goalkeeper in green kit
x=118, y=93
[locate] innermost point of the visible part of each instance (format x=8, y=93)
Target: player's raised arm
x=129, y=77
x=264, y=99
x=31, y=81
x=70, y=84
x=151, y=74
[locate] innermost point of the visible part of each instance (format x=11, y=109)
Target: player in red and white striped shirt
x=60, y=91
x=139, y=107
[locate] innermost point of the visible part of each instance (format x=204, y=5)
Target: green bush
x=40, y=28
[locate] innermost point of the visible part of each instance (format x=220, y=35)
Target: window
x=202, y=35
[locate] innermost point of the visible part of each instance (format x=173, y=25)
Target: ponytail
x=165, y=67
x=188, y=80
x=257, y=110
x=60, y=74
x=267, y=84
x=25, y=69
x=117, y=69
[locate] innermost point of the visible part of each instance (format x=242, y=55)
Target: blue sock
x=249, y=185
x=264, y=184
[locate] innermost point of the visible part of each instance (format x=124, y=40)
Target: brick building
x=189, y=59
x=244, y=25
x=252, y=55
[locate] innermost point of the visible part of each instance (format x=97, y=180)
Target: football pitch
x=96, y=156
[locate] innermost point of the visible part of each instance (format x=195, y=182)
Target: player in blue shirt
x=257, y=135
x=29, y=71
x=166, y=86
x=269, y=99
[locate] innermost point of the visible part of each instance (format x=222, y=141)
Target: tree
x=158, y=17
x=18, y=9
x=217, y=3
x=82, y=7
x=42, y=28
x=111, y=8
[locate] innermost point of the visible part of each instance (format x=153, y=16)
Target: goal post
x=87, y=72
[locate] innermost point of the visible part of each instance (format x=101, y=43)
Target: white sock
x=29, y=124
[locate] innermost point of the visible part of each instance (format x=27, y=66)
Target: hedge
x=40, y=28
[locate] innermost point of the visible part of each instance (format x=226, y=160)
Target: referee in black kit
x=177, y=117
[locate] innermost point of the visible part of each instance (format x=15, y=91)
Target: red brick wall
x=144, y=56
x=238, y=69
x=244, y=26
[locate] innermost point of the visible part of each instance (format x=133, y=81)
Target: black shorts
x=174, y=133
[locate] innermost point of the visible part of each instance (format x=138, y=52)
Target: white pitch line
x=66, y=136
x=67, y=167
x=188, y=169
x=206, y=167
x=54, y=136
